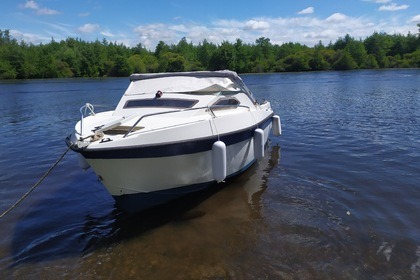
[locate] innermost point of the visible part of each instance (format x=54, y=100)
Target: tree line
x=74, y=57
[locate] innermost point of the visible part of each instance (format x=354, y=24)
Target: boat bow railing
x=208, y=108
x=83, y=112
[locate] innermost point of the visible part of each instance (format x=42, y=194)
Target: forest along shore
x=74, y=57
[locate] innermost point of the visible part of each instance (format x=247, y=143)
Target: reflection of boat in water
x=172, y=134
x=257, y=181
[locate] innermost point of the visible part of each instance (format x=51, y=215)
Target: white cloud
x=39, y=11
x=309, y=10
x=31, y=5
x=107, y=34
x=151, y=34
x=47, y=12
x=393, y=7
x=88, y=28
x=337, y=17
x=256, y=25
x=179, y=28
x=29, y=37
x=415, y=19
x=307, y=30
x=228, y=23
x=381, y=1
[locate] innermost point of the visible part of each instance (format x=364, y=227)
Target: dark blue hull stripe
x=174, y=148
x=138, y=202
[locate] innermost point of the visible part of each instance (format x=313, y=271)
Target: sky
x=148, y=22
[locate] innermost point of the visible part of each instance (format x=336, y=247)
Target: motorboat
x=172, y=134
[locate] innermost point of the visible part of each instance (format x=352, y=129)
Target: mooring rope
x=36, y=184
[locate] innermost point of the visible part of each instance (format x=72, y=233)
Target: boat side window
x=160, y=103
x=225, y=103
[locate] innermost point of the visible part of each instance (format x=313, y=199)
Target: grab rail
x=160, y=113
x=174, y=111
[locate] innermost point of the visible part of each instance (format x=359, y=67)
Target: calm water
x=337, y=197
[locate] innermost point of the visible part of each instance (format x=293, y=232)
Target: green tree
x=342, y=43
x=413, y=59
x=120, y=67
x=297, y=62
x=151, y=63
x=224, y=57
x=242, y=57
x=7, y=71
x=5, y=38
x=379, y=45
x=136, y=64
x=171, y=62
x=358, y=52
x=187, y=50
x=317, y=62
x=205, y=51
x=371, y=62
x=287, y=49
x=161, y=48
x=263, y=48
x=344, y=61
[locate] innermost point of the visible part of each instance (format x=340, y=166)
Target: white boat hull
x=141, y=182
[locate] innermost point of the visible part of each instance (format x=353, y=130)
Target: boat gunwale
x=187, y=146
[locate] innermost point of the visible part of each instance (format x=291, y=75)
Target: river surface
x=337, y=196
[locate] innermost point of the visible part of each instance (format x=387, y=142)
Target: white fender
x=219, y=161
x=82, y=162
x=276, y=125
x=259, y=143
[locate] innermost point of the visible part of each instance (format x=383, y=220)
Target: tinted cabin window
x=223, y=103
x=160, y=102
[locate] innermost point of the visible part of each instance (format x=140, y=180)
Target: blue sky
x=148, y=22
